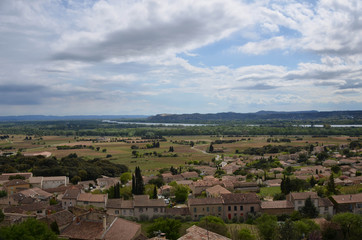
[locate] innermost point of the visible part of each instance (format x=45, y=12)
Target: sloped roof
x=232, y=198
x=122, y=229
x=303, y=195
x=282, y=204
x=114, y=203
x=349, y=198
x=71, y=193
x=62, y=218
x=217, y=189
x=144, y=201
x=16, y=182
x=325, y=202
x=91, y=197
x=84, y=230
x=197, y=233
x=36, y=192
x=204, y=201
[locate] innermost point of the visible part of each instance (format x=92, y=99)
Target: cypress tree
x=133, y=184
x=331, y=187
x=154, y=192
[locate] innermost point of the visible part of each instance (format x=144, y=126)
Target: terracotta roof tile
x=197, y=233
x=204, y=201
x=349, y=198
x=303, y=195
x=91, y=197
x=276, y=204
x=121, y=227
x=240, y=198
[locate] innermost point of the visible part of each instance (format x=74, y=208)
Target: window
x=39, y=211
x=251, y=209
x=219, y=209
x=326, y=209
x=235, y=208
x=194, y=209
x=207, y=209
x=124, y=212
x=300, y=202
x=116, y=211
x=86, y=202
x=241, y=208
x=229, y=208
x=155, y=209
x=141, y=210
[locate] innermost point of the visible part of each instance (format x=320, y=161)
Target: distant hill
x=261, y=115
x=74, y=117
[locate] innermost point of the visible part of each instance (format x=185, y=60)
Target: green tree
x=30, y=229
x=157, y=181
x=138, y=187
x=211, y=148
x=245, y=234
x=2, y=215
x=169, y=226
x=126, y=192
x=305, y=227
x=331, y=187
x=154, y=196
x=309, y=210
x=125, y=177
x=214, y=224
x=54, y=227
x=288, y=231
x=350, y=225
x=312, y=181
x=181, y=193
x=75, y=179
x=267, y=226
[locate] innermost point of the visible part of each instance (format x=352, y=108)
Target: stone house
x=15, y=185
x=200, y=207
x=70, y=197
x=95, y=200
x=53, y=182
x=277, y=207
x=216, y=191
x=348, y=203
x=145, y=206
x=239, y=205
x=324, y=206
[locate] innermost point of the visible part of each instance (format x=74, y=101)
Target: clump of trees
x=138, y=187
x=71, y=166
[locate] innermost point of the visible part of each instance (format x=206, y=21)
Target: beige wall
x=14, y=189
x=278, y=211
x=149, y=211
x=68, y=203
x=95, y=204
x=199, y=211
x=239, y=210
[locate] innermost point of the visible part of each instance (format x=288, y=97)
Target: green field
x=121, y=152
x=269, y=191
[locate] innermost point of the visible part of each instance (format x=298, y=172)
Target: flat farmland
x=152, y=159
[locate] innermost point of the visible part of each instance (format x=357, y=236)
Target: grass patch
x=235, y=228
x=269, y=191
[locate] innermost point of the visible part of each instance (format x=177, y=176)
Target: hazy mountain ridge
x=261, y=115
x=71, y=117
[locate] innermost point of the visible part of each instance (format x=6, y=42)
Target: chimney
x=104, y=222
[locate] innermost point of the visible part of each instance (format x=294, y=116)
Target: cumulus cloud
x=112, y=57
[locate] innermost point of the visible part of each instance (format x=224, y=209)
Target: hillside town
x=229, y=188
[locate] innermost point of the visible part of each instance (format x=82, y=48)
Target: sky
x=128, y=57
